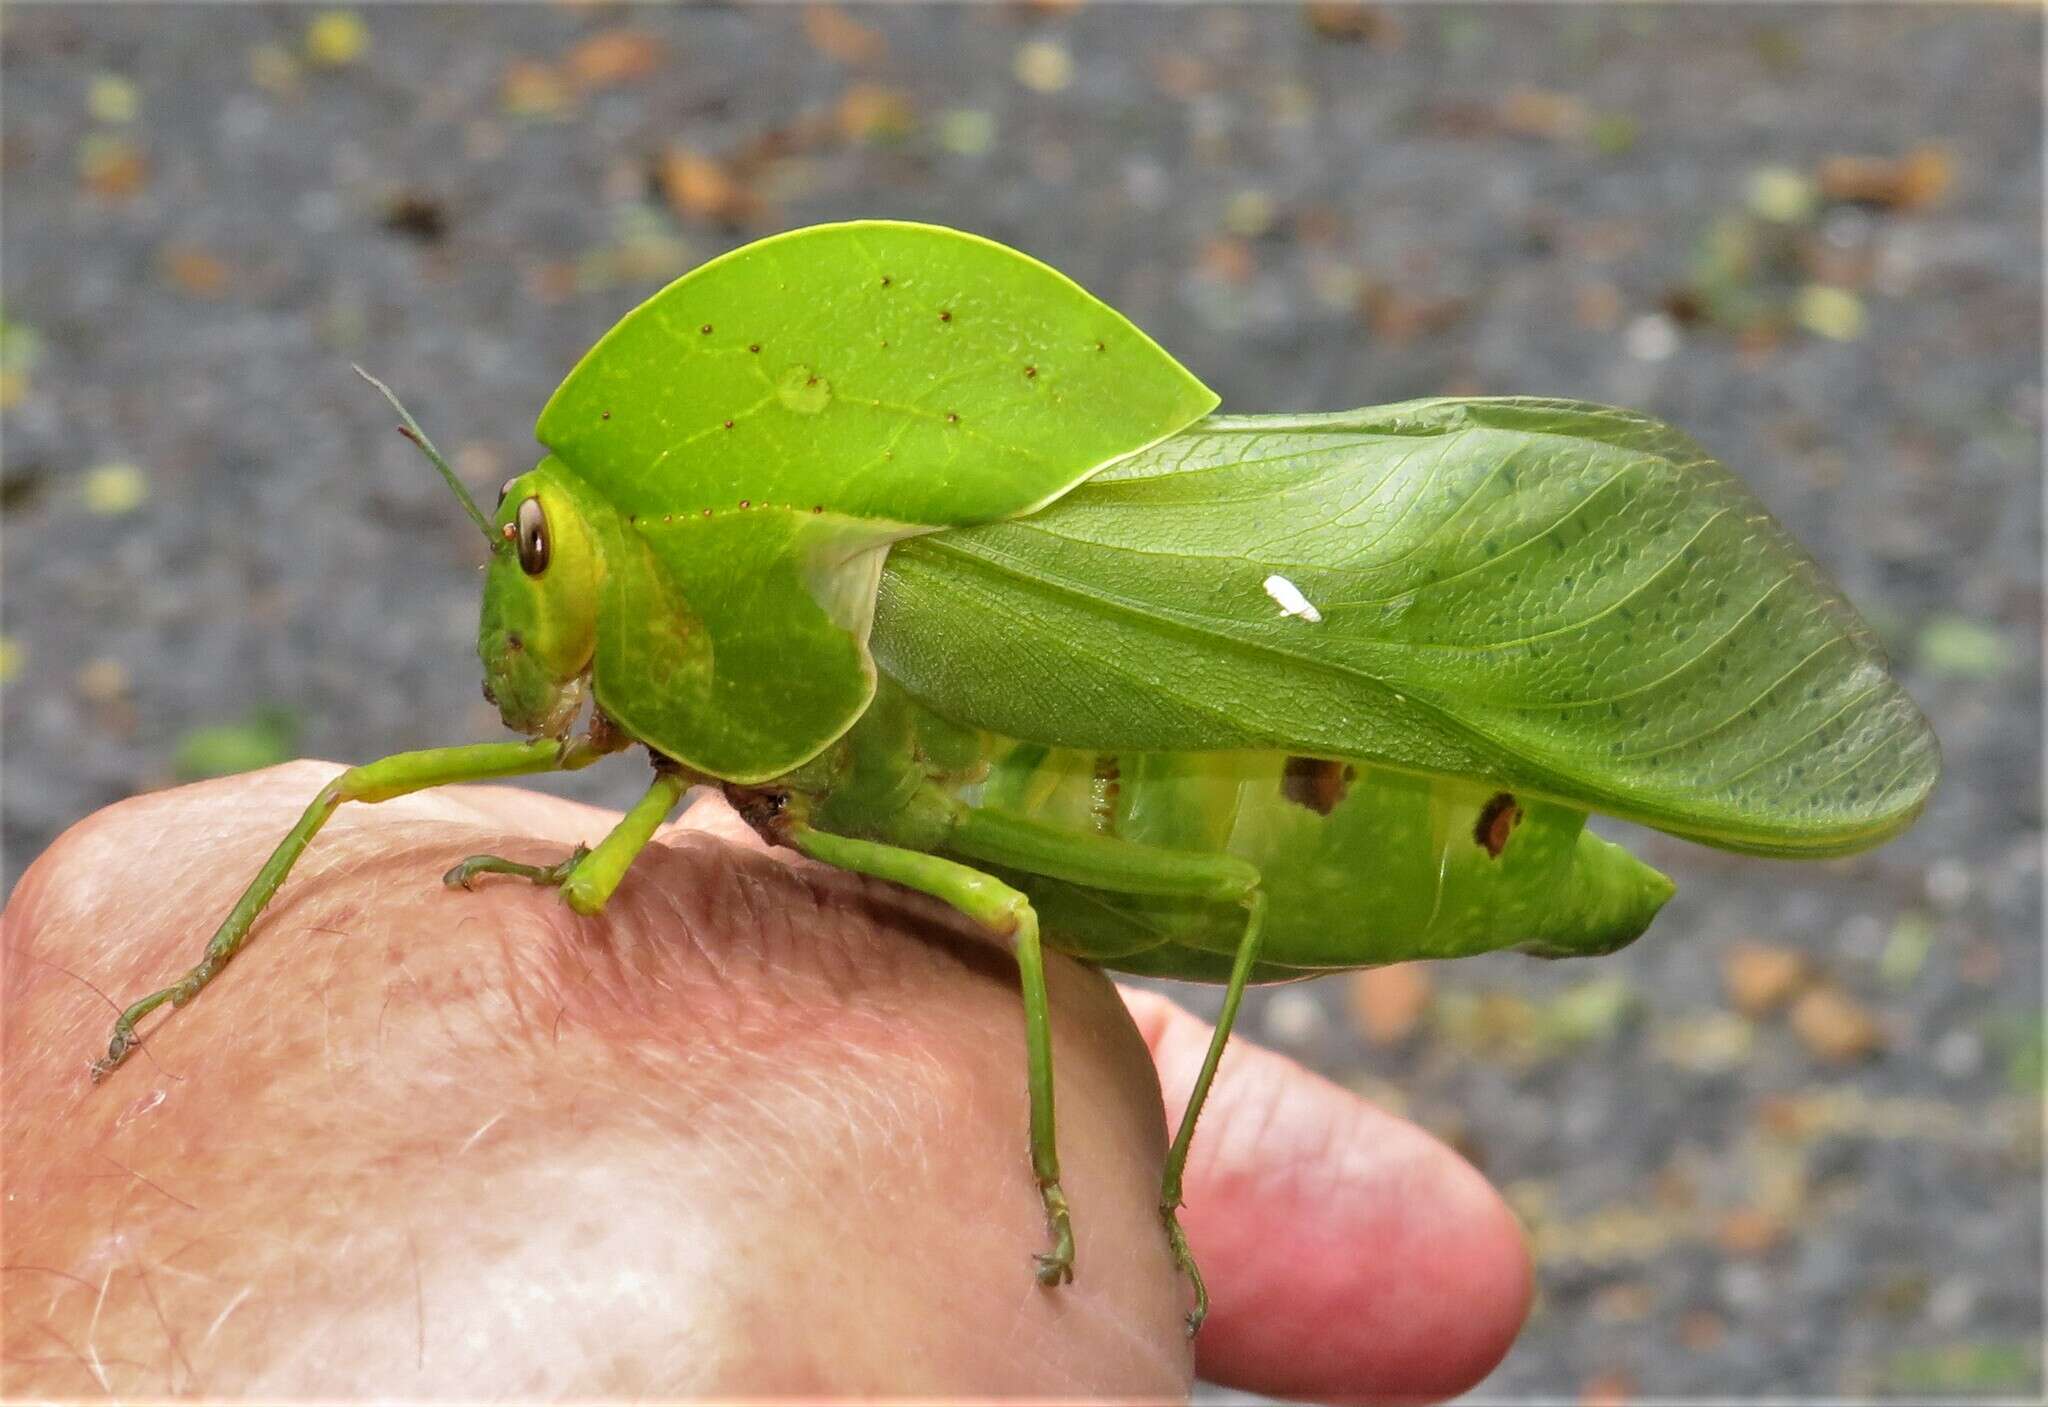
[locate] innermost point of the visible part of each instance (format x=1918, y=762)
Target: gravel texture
x=209, y=212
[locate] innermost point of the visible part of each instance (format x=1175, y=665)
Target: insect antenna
x=411, y=430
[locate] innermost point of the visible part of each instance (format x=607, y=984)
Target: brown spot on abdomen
x=1316, y=782
x=1497, y=821
x=1104, y=789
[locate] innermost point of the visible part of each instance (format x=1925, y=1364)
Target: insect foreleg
x=382, y=780
x=1009, y=915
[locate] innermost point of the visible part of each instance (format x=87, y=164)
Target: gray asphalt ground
x=207, y=213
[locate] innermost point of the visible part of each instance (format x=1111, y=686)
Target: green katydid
x=946, y=574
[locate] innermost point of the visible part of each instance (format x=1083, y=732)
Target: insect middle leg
x=1009, y=915
x=588, y=877
x=1125, y=867
x=464, y=874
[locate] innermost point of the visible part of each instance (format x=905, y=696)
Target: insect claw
x=1056, y=1266
x=1052, y=1270
x=1177, y=1242
x=117, y=1051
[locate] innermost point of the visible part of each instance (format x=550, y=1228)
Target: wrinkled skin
x=759, y=1129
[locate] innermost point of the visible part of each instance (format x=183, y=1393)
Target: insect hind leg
x=1126, y=867
x=1177, y=1156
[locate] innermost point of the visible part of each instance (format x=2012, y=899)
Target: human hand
x=759, y=1129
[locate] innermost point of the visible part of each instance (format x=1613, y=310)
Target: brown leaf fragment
x=1318, y=225
x=1899, y=1295
x=416, y=215
x=551, y=282
x=104, y=681
x=1914, y=181
x=1628, y=1302
x=1538, y=112
x=530, y=88
x=1835, y=1027
x=1760, y=979
x=1827, y=263
x=1350, y=21
x=1683, y=304
x=1748, y=1232
x=801, y=133
x=1673, y=1189
x=869, y=112
x=1227, y=259
x=700, y=187
x=1786, y=1116
x=1180, y=75
x=1597, y=307
x=1400, y=318
x=1463, y=118
x=194, y=272
x=1387, y=1003
x=614, y=56
x=1982, y=963
x=1611, y=1388
x=1755, y=342
x=111, y=166
x=838, y=35
x=1702, y=1330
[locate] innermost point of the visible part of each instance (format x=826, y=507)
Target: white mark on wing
x=1288, y=597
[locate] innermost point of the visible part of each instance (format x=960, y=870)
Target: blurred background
x=1791, y=1142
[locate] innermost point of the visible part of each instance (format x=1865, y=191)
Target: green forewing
x=767, y=424
x=883, y=370
x=1561, y=598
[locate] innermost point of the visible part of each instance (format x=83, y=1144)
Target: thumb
x=1347, y=1252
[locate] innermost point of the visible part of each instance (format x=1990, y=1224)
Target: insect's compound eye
x=506, y=488
x=533, y=538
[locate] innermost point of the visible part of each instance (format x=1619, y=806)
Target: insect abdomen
x=1362, y=864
